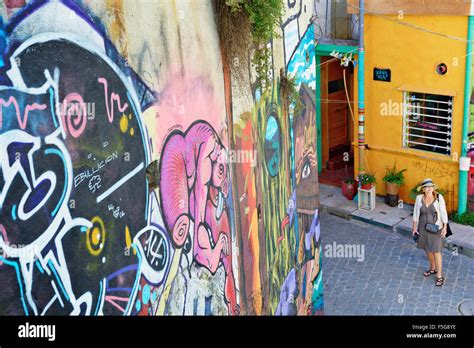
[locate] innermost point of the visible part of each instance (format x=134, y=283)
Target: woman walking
x=430, y=222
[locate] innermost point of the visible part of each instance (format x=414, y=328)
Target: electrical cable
x=410, y=25
x=336, y=58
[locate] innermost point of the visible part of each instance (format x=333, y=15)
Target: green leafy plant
x=235, y=38
x=264, y=17
x=290, y=92
x=466, y=218
x=367, y=178
x=393, y=176
x=247, y=24
x=414, y=192
x=235, y=5
x=349, y=181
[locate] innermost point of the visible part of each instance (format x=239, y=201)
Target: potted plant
x=349, y=188
x=414, y=192
x=367, y=180
x=393, y=179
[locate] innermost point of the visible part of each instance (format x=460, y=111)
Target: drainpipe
x=361, y=95
x=464, y=161
x=328, y=23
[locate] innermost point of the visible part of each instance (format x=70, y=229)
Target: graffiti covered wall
x=73, y=156
x=278, y=194
x=93, y=102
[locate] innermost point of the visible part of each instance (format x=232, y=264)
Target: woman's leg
x=439, y=264
x=431, y=259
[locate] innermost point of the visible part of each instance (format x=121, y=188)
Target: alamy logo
x=335, y=250
x=37, y=331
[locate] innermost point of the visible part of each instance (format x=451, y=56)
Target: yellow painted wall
x=412, y=56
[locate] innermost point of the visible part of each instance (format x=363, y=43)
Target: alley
x=388, y=279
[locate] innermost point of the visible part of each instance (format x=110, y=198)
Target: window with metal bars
x=427, y=122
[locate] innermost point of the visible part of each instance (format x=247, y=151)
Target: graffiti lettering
x=434, y=170
x=54, y=230
x=22, y=120
x=109, y=101
x=89, y=173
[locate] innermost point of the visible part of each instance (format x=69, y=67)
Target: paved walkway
x=389, y=280
x=398, y=219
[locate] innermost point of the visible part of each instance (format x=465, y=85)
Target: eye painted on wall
x=306, y=169
x=188, y=245
x=272, y=145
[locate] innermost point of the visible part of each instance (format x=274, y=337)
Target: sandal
x=439, y=281
x=429, y=272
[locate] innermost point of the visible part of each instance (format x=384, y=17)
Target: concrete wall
x=107, y=89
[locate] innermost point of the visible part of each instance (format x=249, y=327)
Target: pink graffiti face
x=220, y=172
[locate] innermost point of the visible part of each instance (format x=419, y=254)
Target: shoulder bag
x=434, y=228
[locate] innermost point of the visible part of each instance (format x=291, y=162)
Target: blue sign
x=384, y=75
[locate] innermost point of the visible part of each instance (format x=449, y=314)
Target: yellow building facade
x=411, y=54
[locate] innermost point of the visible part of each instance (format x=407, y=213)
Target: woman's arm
x=416, y=214
x=444, y=215
x=442, y=208
x=415, y=227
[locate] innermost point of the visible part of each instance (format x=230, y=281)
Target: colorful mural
x=194, y=183
x=124, y=190
x=286, y=237
x=75, y=173
x=301, y=292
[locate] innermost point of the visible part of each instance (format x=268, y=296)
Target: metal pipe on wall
x=464, y=161
x=361, y=84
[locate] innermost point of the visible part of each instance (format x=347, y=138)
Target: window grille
x=427, y=122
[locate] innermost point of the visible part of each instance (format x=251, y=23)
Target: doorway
x=336, y=121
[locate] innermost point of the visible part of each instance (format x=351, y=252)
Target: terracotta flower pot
x=391, y=188
x=349, y=190
x=366, y=186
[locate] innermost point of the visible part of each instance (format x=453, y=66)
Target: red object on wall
x=470, y=183
x=470, y=180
